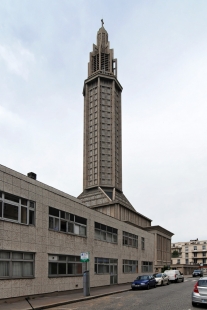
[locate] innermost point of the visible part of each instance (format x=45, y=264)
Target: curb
x=77, y=300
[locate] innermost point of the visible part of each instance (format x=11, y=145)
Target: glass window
x=105, y=265
x=130, y=266
x=71, y=223
x=16, y=264
x=17, y=209
x=65, y=265
x=130, y=239
x=147, y=266
x=105, y=233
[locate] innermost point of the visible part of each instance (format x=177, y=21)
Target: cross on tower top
x=102, y=22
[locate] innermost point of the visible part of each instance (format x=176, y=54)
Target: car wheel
x=148, y=287
x=168, y=282
x=155, y=285
x=162, y=283
x=194, y=304
x=176, y=280
x=183, y=280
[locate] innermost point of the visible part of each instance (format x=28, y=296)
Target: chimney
x=32, y=175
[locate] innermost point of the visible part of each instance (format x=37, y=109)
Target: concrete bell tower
x=102, y=163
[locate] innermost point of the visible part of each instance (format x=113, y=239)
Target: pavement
x=45, y=302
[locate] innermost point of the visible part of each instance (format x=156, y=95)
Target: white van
x=174, y=275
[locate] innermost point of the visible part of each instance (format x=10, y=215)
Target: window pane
x=10, y=212
x=32, y=204
x=4, y=254
x=71, y=268
x=70, y=227
x=62, y=257
x=11, y=197
x=79, y=268
x=28, y=256
x=31, y=217
x=53, y=211
x=51, y=225
x=17, y=255
x=82, y=230
x=63, y=226
x=56, y=227
x=24, y=215
x=0, y=209
x=27, y=269
x=76, y=229
x=4, y=269
x=62, y=214
x=24, y=202
x=80, y=220
x=62, y=268
x=17, y=269
x=53, y=268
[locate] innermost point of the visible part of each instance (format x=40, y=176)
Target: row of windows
x=20, y=210
x=21, y=265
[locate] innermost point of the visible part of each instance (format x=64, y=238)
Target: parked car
x=161, y=278
x=199, y=294
x=174, y=275
x=197, y=273
x=144, y=281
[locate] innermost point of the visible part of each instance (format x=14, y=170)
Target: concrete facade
x=43, y=231
x=42, y=241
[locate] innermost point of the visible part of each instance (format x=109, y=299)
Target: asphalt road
x=176, y=296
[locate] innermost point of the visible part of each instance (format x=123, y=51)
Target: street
x=169, y=297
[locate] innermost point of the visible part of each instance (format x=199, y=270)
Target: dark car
x=144, y=282
x=197, y=273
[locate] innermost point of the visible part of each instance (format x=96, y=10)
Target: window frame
x=11, y=260
x=130, y=240
x=70, y=220
x=104, y=262
x=21, y=204
x=106, y=233
x=146, y=266
x=73, y=260
x=131, y=264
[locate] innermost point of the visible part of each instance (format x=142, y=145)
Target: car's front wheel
x=155, y=285
x=148, y=287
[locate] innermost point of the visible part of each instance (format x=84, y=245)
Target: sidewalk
x=62, y=299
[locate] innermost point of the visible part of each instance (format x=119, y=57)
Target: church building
x=44, y=232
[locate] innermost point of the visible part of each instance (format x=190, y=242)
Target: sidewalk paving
x=64, y=298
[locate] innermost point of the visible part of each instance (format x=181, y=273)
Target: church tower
x=102, y=164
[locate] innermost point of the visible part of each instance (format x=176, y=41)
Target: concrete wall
x=42, y=241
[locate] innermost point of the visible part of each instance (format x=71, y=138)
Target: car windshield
x=142, y=278
x=202, y=283
x=158, y=275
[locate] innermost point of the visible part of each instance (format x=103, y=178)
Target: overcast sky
x=161, y=47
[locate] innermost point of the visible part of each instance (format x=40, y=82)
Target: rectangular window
x=186, y=261
x=204, y=247
x=186, y=254
x=204, y=253
x=130, y=266
x=130, y=239
x=105, y=265
x=143, y=243
x=195, y=247
x=17, y=209
x=66, y=222
x=64, y=265
x=106, y=233
x=186, y=248
x=16, y=265
x=147, y=266
x=178, y=261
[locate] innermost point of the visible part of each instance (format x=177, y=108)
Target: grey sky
x=161, y=48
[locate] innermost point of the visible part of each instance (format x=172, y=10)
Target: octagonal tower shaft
x=102, y=119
